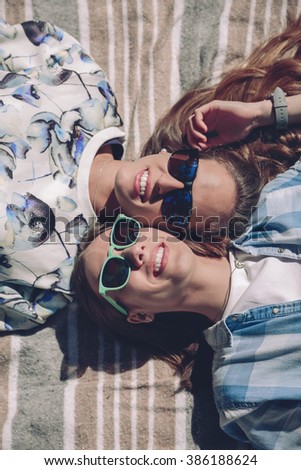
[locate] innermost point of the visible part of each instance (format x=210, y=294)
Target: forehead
x=214, y=191
x=96, y=253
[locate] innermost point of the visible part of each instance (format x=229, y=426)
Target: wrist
x=264, y=115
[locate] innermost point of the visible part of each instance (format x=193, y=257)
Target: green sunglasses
x=115, y=273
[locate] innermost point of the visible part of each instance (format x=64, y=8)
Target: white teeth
x=143, y=182
x=158, y=258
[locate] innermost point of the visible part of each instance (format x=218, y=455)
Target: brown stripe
x=99, y=38
x=160, y=74
x=14, y=11
x=4, y=367
x=109, y=424
x=86, y=411
x=237, y=34
x=162, y=58
x=118, y=84
x=164, y=409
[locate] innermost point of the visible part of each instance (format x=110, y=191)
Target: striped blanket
x=66, y=386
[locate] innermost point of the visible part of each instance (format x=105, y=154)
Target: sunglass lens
x=126, y=232
x=115, y=273
x=183, y=166
x=176, y=206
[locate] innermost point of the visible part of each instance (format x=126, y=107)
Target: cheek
x=122, y=184
x=134, y=294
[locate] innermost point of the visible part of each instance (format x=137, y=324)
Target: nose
x=135, y=255
x=167, y=183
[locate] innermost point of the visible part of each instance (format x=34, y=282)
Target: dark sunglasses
x=116, y=271
x=177, y=204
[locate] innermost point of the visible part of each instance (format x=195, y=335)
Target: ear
x=140, y=317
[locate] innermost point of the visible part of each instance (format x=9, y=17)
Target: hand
x=221, y=122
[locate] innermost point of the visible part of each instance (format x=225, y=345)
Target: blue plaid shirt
x=257, y=353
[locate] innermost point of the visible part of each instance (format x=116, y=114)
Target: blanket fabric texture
x=66, y=385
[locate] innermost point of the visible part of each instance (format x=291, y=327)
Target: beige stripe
x=86, y=411
x=223, y=42
x=2, y=9
x=151, y=404
x=250, y=29
x=98, y=33
x=70, y=388
x=117, y=402
x=5, y=357
x=136, y=120
x=115, y=15
x=135, y=51
x=111, y=43
x=153, y=41
x=151, y=94
x=127, y=66
x=180, y=417
x=142, y=406
x=15, y=11
x=162, y=98
x=91, y=405
x=134, y=398
x=13, y=376
x=28, y=10
x=164, y=408
x=267, y=18
x=175, y=41
x=100, y=393
x=83, y=20
x=108, y=401
x=86, y=407
x=240, y=32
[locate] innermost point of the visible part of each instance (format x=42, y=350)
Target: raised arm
x=222, y=122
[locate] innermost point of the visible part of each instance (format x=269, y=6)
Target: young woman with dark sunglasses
x=251, y=300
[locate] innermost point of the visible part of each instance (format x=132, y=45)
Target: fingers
x=196, y=144
x=195, y=131
x=199, y=121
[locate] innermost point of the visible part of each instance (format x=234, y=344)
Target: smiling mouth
x=158, y=259
x=143, y=183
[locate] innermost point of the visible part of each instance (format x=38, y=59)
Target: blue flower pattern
x=53, y=99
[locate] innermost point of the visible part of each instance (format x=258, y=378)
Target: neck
x=102, y=180
x=209, y=287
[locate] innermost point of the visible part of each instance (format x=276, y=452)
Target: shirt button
x=280, y=250
x=239, y=264
x=234, y=317
x=275, y=310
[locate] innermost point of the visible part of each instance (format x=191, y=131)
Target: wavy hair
x=275, y=63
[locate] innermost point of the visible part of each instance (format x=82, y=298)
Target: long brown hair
x=275, y=63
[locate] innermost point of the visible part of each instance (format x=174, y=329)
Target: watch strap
x=280, y=108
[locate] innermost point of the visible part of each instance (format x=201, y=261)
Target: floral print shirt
x=54, y=100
